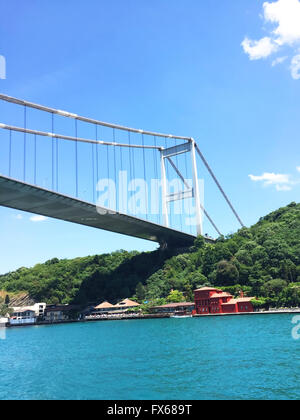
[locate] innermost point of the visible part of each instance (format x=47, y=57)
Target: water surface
x=246, y=357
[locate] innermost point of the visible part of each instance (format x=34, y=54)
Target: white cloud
x=295, y=67
x=259, y=49
x=286, y=14
x=271, y=178
x=19, y=216
x=282, y=182
x=279, y=60
x=284, y=17
x=38, y=218
x=298, y=168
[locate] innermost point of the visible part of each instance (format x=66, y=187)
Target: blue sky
x=222, y=72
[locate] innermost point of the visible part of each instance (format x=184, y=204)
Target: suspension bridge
x=134, y=182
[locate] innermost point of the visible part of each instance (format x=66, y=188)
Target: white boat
x=181, y=315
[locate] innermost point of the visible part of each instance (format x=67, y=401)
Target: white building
x=23, y=317
x=38, y=308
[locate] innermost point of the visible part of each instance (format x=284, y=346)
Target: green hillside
x=263, y=260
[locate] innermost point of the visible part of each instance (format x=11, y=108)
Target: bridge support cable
x=196, y=190
x=145, y=176
x=52, y=150
x=88, y=120
x=115, y=169
x=108, y=170
x=178, y=172
x=76, y=158
x=186, y=177
x=218, y=185
x=97, y=160
x=156, y=177
x=211, y=221
x=188, y=188
x=57, y=155
x=166, y=155
x=35, y=160
x=71, y=138
x=93, y=174
x=10, y=154
x=25, y=141
x=164, y=192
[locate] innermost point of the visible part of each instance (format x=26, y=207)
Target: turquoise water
x=247, y=357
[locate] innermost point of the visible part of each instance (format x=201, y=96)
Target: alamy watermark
x=2, y=67
x=296, y=329
x=3, y=329
x=139, y=197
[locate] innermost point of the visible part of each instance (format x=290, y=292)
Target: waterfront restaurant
x=126, y=304
x=106, y=308
x=172, y=308
x=209, y=300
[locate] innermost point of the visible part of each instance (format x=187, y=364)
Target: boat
x=181, y=314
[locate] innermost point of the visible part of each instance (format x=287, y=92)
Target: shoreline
x=153, y=316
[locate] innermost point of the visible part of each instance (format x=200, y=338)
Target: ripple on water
x=248, y=357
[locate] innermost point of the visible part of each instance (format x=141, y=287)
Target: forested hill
x=263, y=260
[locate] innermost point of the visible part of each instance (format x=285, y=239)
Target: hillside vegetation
x=263, y=260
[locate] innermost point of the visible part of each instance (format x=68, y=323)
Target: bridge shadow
x=115, y=285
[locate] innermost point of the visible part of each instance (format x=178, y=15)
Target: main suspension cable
x=218, y=185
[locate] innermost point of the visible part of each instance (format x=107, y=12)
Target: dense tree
x=175, y=296
x=263, y=260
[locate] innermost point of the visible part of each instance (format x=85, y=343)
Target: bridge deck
x=22, y=196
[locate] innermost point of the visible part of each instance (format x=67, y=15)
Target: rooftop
x=23, y=310
x=231, y=302
x=206, y=289
x=245, y=299
x=221, y=295
x=104, y=305
x=126, y=303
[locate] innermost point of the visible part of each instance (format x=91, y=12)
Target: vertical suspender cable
x=145, y=176
x=25, y=124
x=10, y=152
x=52, y=144
x=120, y=186
x=57, y=143
x=189, y=200
x=131, y=163
x=76, y=156
x=115, y=171
x=180, y=216
x=130, y=159
x=93, y=169
x=156, y=176
x=134, y=180
x=97, y=157
x=168, y=180
x=35, y=157
x=121, y=158
x=108, y=172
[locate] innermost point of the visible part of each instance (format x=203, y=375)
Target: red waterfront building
x=209, y=300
